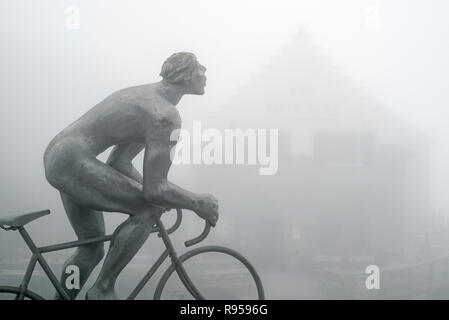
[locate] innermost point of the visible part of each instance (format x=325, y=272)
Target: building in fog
x=352, y=178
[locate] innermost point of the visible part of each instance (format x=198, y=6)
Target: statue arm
x=156, y=187
x=121, y=159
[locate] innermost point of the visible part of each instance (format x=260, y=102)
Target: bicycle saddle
x=22, y=219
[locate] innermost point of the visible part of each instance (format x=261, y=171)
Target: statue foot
x=97, y=294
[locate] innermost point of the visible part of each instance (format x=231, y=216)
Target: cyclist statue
x=131, y=119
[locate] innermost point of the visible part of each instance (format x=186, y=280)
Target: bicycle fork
x=178, y=264
x=168, y=252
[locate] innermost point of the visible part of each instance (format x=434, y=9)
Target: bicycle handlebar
x=177, y=222
x=201, y=237
x=176, y=225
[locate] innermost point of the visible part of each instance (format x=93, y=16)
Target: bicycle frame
x=169, y=251
x=37, y=257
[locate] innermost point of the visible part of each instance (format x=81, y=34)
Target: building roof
x=301, y=91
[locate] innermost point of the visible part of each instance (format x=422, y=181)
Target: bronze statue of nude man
x=131, y=119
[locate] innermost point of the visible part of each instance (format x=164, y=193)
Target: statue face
x=198, y=80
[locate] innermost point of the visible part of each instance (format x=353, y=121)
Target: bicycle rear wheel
x=215, y=272
x=12, y=293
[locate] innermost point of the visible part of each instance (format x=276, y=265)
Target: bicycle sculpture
x=130, y=120
x=21, y=292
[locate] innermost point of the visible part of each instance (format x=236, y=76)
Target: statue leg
x=96, y=185
x=128, y=239
x=86, y=223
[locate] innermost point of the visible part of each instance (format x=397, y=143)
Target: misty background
x=356, y=88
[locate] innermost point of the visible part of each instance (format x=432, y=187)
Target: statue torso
x=128, y=115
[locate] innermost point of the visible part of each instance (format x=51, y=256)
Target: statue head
x=183, y=69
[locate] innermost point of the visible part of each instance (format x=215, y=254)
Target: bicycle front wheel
x=216, y=273
x=13, y=293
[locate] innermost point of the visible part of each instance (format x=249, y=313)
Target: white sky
x=397, y=50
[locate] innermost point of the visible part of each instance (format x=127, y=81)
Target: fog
x=357, y=90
